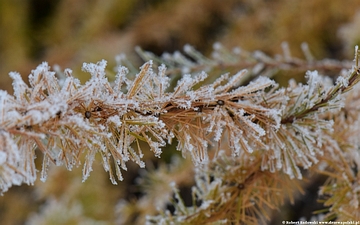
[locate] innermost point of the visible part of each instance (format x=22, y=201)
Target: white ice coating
x=69, y=119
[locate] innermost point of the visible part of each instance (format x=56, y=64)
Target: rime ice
x=66, y=119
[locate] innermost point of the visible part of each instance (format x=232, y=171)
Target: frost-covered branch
x=223, y=59
x=71, y=123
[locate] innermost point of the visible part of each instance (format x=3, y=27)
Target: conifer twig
x=71, y=123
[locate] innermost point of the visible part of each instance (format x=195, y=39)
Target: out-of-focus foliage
x=67, y=33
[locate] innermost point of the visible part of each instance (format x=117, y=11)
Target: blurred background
x=67, y=33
